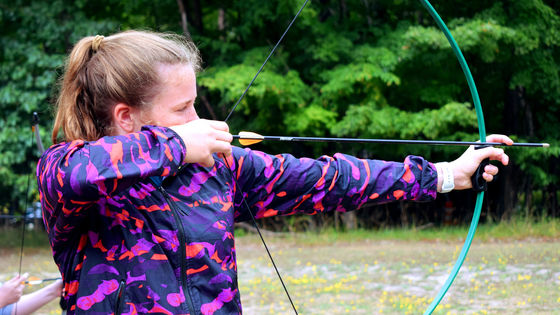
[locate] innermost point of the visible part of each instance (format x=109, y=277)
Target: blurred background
x=370, y=69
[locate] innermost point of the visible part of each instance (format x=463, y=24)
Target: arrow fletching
x=248, y=138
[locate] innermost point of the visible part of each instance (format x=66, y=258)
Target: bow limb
x=34, y=134
x=482, y=135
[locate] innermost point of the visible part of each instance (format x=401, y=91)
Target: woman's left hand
x=465, y=166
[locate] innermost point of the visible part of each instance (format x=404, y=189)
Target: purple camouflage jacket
x=134, y=230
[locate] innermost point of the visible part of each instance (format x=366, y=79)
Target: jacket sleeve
x=283, y=184
x=75, y=175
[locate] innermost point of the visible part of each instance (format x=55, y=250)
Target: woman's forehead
x=175, y=74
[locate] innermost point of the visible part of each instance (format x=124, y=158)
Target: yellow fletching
x=248, y=142
x=252, y=138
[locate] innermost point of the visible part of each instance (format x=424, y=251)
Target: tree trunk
x=343, y=10
x=207, y=104
x=222, y=22
x=336, y=220
x=196, y=16
x=350, y=220
x=528, y=198
x=553, y=193
x=518, y=120
x=508, y=192
x=404, y=214
x=528, y=112
x=184, y=23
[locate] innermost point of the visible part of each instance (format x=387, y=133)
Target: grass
x=11, y=238
x=512, y=268
x=515, y=229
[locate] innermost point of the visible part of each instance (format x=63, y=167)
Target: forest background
x=369, y=69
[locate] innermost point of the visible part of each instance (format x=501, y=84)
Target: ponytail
x=101, y=72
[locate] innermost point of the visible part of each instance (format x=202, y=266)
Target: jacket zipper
x=120, y=298
x=182, y=244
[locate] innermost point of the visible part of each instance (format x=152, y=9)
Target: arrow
x=34, y=280
x=247, y=138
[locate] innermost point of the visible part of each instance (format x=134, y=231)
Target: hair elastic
x=96, y=42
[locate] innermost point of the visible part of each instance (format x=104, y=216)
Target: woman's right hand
x=12, y=290
x=203, y=138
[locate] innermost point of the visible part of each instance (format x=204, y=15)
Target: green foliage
x=541, y=164
x=346, y=68
x=35, y=37
x=390, y=122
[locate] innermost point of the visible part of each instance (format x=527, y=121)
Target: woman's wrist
x=445, y=177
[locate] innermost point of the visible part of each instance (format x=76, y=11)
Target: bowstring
x=244, y=200
x=266, y=61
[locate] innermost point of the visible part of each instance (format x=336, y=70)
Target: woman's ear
x=125, y=119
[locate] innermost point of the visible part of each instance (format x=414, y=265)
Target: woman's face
x=174, y=103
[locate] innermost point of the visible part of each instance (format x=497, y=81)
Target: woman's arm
x=73, y=177
x=284, y=185
x=85, y=171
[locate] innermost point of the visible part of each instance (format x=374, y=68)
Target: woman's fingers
x=218, y=125
x=499, y=138
x=203, y=138
x=494, y=154
x=491, y=169
x=487, y=177
x=225, y=137
x=465, y=166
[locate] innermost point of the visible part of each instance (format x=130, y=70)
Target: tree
x=346, y=68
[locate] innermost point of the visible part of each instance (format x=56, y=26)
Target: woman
x=138, y=201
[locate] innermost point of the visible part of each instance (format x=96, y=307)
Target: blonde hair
x=102, y=71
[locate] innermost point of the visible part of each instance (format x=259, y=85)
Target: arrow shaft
x=34, y=282
x=358, y=140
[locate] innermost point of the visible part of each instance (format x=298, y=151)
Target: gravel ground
x=389, y=277
x=375, y=277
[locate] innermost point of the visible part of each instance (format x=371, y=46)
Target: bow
x=482, y=135
x=37, y=136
